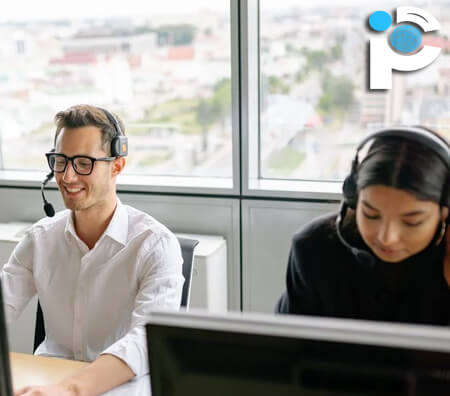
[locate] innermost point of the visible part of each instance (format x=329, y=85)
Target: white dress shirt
x=95, y=301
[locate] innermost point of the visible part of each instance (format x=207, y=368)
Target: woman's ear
x=444, y=214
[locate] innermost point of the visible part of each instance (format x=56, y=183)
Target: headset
x=350, y=189
x=119, y=148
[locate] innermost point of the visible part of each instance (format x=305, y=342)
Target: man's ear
x=118, y=165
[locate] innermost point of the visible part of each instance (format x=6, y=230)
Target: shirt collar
x=70, y=227
x=117, y=228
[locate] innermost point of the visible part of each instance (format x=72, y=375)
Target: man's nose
x=69, y=174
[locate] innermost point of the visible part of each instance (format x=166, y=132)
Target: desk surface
x=39, y=370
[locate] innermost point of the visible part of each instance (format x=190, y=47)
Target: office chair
x=187, y=251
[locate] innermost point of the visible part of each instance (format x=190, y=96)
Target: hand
x=447, y=258
x=48, y=390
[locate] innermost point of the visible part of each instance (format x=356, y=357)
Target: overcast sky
x=49, y=9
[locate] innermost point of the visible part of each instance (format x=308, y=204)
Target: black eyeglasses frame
x=72, y=159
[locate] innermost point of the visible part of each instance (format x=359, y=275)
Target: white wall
x=268, y=227
x=256, y=262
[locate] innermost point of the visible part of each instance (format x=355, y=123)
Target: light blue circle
x=380, y=21
x=405, y=38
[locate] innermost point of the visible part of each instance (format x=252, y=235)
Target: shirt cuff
x=132, y=349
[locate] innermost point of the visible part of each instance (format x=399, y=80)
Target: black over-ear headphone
x=119, y=148
x=350, y=188
x=119, y=144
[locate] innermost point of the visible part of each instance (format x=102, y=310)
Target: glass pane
x=315, y=101
x=164, y=67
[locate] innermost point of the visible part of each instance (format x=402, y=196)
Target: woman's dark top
x=325, y=279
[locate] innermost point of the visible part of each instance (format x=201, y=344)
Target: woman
x=386, y=256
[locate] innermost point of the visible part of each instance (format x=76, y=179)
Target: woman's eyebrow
x=407, y=214
x=365, y=203
x=413, y=213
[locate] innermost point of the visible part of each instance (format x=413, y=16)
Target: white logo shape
x=383, y=59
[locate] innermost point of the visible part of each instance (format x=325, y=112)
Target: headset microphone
x=48, y=207
x=361, y=255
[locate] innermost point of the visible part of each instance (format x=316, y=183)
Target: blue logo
x=380, y=21
x=404, y=39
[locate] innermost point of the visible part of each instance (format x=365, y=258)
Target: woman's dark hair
x=406, y=165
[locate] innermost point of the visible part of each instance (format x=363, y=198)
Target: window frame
x=253, y=185
x=246, y=181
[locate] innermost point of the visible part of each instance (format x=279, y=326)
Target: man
x=98, y=267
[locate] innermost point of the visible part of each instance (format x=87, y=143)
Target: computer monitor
x=5, y=374
x=196, y=354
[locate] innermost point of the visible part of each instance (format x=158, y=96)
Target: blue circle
x=405, y=38
x=380, y=21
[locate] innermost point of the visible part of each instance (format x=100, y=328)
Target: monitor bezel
x=408, y=336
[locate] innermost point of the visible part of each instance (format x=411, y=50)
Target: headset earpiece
x=119, y=144
x=350, y=188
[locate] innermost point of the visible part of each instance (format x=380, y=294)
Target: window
x=201, y=84
x=315, y=105
x=164, y=67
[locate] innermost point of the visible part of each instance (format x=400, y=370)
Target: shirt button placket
x=77, y=316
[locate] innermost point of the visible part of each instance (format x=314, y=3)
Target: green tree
x=207, y=113
x=315, y=59
x=221, y=99
x=301, y=74
x=337, y=94
x=336, y=52
x=214, y=109
x=277, y=85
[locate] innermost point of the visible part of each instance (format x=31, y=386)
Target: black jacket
x=325, y=279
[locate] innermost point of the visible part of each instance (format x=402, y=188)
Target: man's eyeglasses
x=82, y=164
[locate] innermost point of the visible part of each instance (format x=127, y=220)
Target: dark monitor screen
x=5, y=375
x=248, y=354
